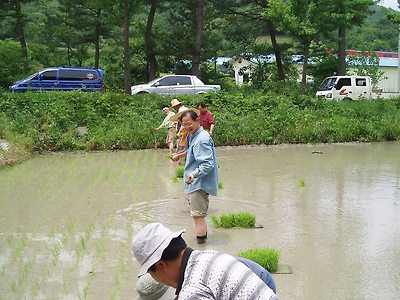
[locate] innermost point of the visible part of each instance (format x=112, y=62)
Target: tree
x=127, y=51
x=302, y=19
x=13, y=9
x=150, y=52
x=19, y=30
x=11, y=65
x=344, y=14
x=198, y=37
x=253, y=12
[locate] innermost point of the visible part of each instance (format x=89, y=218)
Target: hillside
x=376, y=33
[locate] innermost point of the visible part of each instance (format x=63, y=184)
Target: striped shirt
x=214, y=275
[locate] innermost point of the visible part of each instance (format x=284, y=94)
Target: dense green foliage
x=376, y=33
x=89, y=33
x=49, y=121
x=266, y=257
x=242, y=220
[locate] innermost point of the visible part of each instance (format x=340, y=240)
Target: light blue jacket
x=202, y=163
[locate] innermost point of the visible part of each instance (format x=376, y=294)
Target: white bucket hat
x=149, y=244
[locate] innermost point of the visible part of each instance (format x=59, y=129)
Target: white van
x=346, y=87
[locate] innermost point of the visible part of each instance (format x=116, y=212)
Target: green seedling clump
x=302, y=182
x=266, y=257
x=220, y=185
x=179, y=172
x=242, y=220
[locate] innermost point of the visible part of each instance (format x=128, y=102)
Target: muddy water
x=66, y=220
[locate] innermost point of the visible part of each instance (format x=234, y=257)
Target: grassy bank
x=35, y=122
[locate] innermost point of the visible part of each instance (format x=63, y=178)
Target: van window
x=49, y=75
x=361, y=82
x=343, y=82
x=78, y=75
x=327, y=84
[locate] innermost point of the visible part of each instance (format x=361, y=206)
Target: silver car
x=174, y=85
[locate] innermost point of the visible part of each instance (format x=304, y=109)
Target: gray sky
x=389, y=3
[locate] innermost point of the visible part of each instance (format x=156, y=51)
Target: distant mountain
x=377, y=33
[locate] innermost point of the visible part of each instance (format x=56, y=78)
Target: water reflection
x=66, y=220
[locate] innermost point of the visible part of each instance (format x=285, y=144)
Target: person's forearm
x=211, y=128
x=178, y=155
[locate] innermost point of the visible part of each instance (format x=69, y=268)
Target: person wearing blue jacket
x=260, y=272
x=201, y=171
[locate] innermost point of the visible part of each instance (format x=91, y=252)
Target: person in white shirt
x=199, y=275
x=170, y=125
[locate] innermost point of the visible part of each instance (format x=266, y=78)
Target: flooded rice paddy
x=333, y=212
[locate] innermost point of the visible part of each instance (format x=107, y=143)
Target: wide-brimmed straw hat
x=175, y=102
x=178, y=115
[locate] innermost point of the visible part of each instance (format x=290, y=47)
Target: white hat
x=149, y=289
x=149, y=244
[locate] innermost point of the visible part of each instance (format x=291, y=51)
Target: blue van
x=62, y=79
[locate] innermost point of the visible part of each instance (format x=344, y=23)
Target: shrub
x=242, y=219
x=266, y=257
x=48, y=121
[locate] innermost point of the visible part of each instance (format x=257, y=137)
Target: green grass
x=35, y=122
x=242, y=220
x=302, y=183
x=266, y=257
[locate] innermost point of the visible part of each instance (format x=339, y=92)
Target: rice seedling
x=117, y=286
x=70, y=227
x=133, y=168
x=82, y=242
x=179, y=171
x=266, y=257
x=78, y=255
x=13, y=286
x=19, y=248
x=302, y=183
x=169, y=156
x=25, y=271
x=65, y=284
x=220, y=185
x=10, y=239
x=175, y=179
x=85, y=291
x=242, y=220
x=89, y=231
x=3, y=270
x=56, y=251
x=142, y=168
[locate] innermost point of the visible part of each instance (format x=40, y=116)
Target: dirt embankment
x=10, y=155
